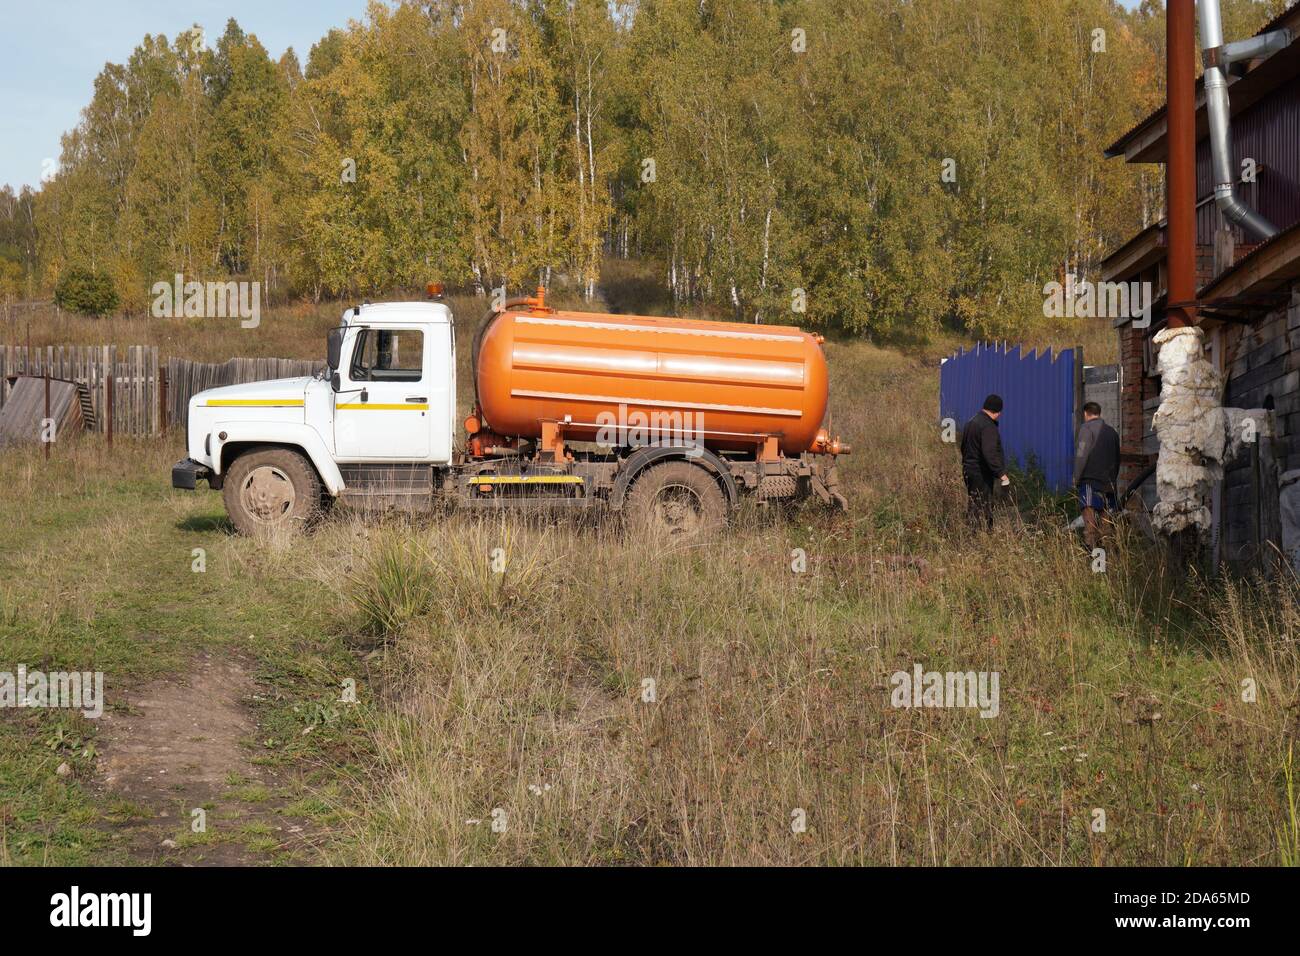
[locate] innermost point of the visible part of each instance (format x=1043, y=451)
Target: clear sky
x=52, y=50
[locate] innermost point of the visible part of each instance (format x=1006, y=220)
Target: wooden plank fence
x=186, y=379
x=148, y=397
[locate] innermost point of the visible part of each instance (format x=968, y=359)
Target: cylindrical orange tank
x=727, y=382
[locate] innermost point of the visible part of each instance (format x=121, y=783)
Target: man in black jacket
x=982, y=463
x=1096, y=470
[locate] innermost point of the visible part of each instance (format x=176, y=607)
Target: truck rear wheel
x=677, y=499
x=271, y=488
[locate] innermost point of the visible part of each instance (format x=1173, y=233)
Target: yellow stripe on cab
x=253, y=402
x=382, y=406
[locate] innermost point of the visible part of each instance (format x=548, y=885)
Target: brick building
x=1250, y=295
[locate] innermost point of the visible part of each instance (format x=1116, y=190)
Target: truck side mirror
x=334, y=349
x=336, y=381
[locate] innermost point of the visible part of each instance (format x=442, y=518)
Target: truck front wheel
x=271, y=488
x=677, y=499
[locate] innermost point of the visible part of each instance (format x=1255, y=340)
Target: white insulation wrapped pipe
x=1190, y=431
x=1197, y=435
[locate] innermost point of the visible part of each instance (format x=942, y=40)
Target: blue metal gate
x=1038, y=391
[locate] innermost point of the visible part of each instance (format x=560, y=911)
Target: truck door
x=381, y=411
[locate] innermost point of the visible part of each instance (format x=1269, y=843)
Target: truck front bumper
x=187, y=473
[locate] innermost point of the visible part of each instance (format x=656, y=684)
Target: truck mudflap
x=829, y=490
x=187, y=473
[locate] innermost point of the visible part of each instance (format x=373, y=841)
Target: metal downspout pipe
x=1218, y=57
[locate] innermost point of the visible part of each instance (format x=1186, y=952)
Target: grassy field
x=607, y=700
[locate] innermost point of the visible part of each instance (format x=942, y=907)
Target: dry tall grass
x=520, y=698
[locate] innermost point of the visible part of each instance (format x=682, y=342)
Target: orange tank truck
x=737, y=384
x=673, y=425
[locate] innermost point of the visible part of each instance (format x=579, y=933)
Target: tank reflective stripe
x=252, y=402
x=628, y=327
x=537, y=355
x=382, y=406
x=703, y=406
x=524, y=480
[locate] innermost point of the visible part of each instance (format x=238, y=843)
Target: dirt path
x=180, y=745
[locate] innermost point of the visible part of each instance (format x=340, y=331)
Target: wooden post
x=133, y=412
x=1270, y=507
x=109, y=405
x=45, y=423
x=1256, y=511
x=141, y=405
x=158, y=414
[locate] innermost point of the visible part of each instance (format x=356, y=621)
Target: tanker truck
x=667, y=422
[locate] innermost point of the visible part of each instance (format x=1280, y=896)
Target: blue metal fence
x=1038, y=391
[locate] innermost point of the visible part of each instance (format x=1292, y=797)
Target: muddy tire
x=676, y=500
x=271, y=488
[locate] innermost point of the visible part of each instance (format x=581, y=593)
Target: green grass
x=96, y=564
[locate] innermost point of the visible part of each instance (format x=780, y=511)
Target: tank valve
x=538, y=302
x=823, y=444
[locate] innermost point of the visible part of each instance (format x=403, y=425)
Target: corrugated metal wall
x=1269, y=133
x=1037, y=423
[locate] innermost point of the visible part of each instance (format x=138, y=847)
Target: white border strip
x=625, y=327
x=609, y=400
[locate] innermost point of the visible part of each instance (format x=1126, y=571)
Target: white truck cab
x=394, y=398
x=390, y=404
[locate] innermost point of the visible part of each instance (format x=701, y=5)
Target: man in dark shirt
x=982, y=463
x=1096, y=469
